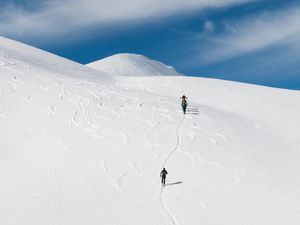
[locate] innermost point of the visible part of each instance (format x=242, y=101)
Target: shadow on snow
x=192, y=110
x=168, y=184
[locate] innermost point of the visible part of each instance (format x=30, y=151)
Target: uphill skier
x=183, y=103
x=163, y=175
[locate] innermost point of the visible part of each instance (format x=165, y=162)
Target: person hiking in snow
x=183, y=103
x=183, y=98
x=163, y=175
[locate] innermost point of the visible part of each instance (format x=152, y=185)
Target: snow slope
x=133, y=65
x=80, y=147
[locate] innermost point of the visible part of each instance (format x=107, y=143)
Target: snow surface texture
x=133, y=65
x=78, y=147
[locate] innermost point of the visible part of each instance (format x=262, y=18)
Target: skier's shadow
x=192, y=110
x=168, y=184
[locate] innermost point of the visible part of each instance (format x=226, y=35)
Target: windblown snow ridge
x=17, y=56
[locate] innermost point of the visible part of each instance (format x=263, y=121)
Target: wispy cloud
x=209, y=26
x=54, y=17
x=255, y=33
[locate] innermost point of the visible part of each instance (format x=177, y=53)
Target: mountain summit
x=133, y=65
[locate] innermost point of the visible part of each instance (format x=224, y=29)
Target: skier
x=163, y=175
x=183, y=103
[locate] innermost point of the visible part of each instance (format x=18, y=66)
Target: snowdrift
x=80, y=147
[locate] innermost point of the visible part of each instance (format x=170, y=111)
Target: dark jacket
x=163, y=173
x=183, y=100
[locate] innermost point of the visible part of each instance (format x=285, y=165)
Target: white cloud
x=256, y=33
x=209, y=26
x=60, y=17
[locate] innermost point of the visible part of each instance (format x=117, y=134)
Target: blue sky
x=254, y=41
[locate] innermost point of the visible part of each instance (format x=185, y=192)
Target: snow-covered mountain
x=80, y=147
x=133, y=65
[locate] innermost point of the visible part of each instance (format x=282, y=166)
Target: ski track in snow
x=166, y=209
x=162, y=192
x=235, y=176
x=178, y=141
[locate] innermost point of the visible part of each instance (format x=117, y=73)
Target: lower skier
x=163, y=175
